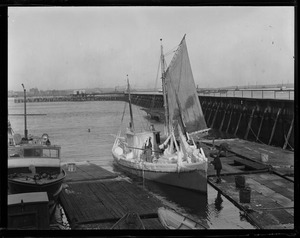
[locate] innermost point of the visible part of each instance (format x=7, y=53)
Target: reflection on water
x=218, y=202
x=212, y=210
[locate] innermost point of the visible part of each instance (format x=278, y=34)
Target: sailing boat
x=178, y=161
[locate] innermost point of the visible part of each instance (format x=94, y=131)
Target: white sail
x=183, y=103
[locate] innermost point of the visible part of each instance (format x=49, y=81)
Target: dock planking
x=94, y=198
x=149, y=224
x=86, y=172
x=271, y=205
x=272, y=190
x=282, y=161
x=233, y=164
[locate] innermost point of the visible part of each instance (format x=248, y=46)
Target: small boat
x=155, y=114
x=34, y=164
x=130, y=221
x=177, y=160
x=172, y=220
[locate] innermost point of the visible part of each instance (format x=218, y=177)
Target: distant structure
x=78, y=92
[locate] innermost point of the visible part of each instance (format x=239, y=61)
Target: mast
x=164, y=90
x=130, y=107
x=25, y=122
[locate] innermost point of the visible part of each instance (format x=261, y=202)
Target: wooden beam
x=238, y=124
x=229, y=119
x=289, y=134
x=210, y=112
x=261, y=122
x=213, y=122
x=274, y=126
x=249, y=123
x=220, y=128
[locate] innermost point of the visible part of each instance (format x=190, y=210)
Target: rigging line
x=155, y=86
x=123, y=112
x=171, y=51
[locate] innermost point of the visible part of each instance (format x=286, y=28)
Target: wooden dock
x=94, y=198
x=271, y=182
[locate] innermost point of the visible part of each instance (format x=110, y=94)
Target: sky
x=58, y=48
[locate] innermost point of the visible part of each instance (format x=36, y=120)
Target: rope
x=172, y=50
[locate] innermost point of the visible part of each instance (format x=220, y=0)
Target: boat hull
x=52, y=187
x=191, y=179
x=172, y=220
x=130, y=221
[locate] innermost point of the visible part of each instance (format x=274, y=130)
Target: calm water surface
x=67, y=125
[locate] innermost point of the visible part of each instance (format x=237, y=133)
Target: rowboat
x=130, y=221
x=173, y=220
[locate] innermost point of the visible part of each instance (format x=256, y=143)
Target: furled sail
x=183, y=103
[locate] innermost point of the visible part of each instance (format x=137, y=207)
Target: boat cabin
x=45, y=159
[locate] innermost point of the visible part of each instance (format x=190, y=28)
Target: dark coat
x=217, y=163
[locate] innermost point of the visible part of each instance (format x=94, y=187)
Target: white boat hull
x=192, y=176
x=172, y=220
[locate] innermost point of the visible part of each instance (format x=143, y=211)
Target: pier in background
x=264, y=115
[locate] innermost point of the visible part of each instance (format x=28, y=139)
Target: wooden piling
x=274, y=126
x=210, y=112
x=220, y=128
x=249, y=123
x=213, y=122
x=289, y=134
x=205, y=105
x=238, y=124
x=229, y=121
x=261, y=122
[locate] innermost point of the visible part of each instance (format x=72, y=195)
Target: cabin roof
x=27, y=198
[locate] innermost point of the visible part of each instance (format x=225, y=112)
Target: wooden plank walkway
x=272, y=199
x=281, y=161
x=272, y=188
x=94, y=198
x=85, y=171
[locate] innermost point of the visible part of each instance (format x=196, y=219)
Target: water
x=68, y=124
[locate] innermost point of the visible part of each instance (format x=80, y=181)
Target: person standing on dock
x=218, y=167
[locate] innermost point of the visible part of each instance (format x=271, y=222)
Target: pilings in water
x=268, y=121
x=74, y=98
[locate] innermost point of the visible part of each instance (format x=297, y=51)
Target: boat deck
x=270, y=183
x=94, y=198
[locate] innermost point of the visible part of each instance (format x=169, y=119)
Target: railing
x=285, y=94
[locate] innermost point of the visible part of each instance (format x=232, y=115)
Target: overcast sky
x=86, y=47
